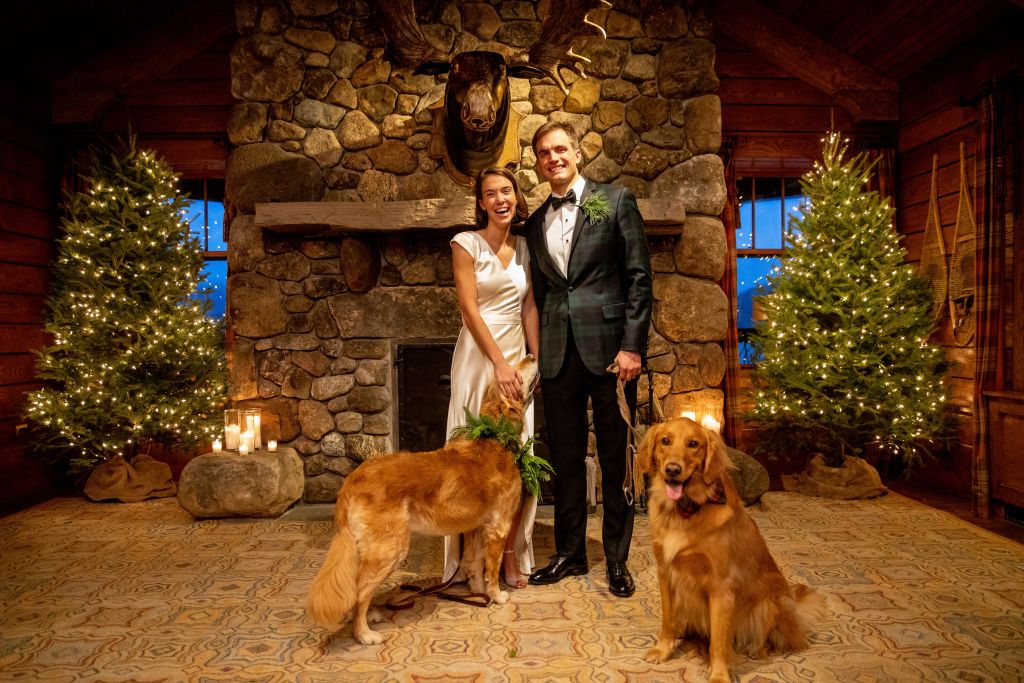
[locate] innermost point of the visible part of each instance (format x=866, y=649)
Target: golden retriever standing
x=468, y=486
x=717, y=579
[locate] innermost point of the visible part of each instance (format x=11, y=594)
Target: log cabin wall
x=937, y=113
x=28, y=194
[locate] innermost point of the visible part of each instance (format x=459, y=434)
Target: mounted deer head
x=472, y=123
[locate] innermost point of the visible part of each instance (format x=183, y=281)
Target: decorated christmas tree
x=845, y=360
x=134, y=360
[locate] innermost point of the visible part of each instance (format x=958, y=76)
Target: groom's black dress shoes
x=560, y=567
x=619, y=581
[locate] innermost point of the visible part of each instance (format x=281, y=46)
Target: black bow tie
x=557, y=202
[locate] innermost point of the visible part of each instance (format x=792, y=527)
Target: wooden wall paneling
x=181, y=120
x=25, y=220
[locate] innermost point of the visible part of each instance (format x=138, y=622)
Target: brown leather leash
x=439, y=589
x=634, y=479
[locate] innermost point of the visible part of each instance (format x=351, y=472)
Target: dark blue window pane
x=751, y=280
x=215, y=211
x=768, y=213
x=745, y=195
x=216, y=272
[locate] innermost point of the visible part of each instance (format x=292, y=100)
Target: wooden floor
x=959, y=507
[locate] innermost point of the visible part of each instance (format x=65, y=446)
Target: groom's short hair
x=553, y=126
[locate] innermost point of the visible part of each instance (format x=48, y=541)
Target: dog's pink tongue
x=674, y=490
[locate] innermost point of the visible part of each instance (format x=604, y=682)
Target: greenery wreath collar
x=533, y=468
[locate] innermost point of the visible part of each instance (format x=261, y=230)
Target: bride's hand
x=510, y=382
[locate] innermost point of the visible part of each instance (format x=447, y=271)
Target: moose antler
x=403, y=32
x=565, y=24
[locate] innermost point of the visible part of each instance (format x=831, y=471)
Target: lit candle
x=245, y=439
x=243, y=449
x=272, y=445
x=710, y=422
x=257, y=435
x=217, y=447
x=231, y=437
x=690, y=415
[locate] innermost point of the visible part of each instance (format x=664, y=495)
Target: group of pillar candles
x=242, y=433
x=711, y=419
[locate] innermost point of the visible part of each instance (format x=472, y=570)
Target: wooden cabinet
x=1006, y=445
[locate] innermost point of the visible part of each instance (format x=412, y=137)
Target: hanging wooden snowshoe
x=933, y=251
x=961, y=270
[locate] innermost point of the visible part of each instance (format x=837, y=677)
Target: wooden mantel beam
x=82, y=95
x=336, y=218
x=867, y=94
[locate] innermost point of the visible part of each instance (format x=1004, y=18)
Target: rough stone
x=618, y=90
x=343, y=94
x=665, y=136
x=326, y=388
x=376, y=186
x=366, y=348
x=242, y=378
x=333, y=446
x=377, y=101
x=364, y=447
x=265, y=69
x=393, y=156
x=687, y=68
x=310, y=39
x=280, y=131
x=645, y=46
x=644, y=113
x=480, y=19
x=646, y=162
x=579, y=122
x=346, y=57
x=686, y=309
x=699, y=183
x=711, y=364
x=256, y=306
x=246, y=244
x=341, y=179
x=291, y=146
x=420, y=271
x=620, y=25
x=664, y=19
x=357, y=161
x=360, y=263
x=701, y=251
x=639, y=68
x=663, y=263
x=406, y=104
x=607, y=57
x=315, y=419
x=313, y=362
x=662, y=387
x=312, y=8
x=663, y=363
x=319, y=114
x=704, y=124
x=546, y=98
x=261, y=484
x=323, y=286
x=357, y=132
x=686, y=378
x=398, y=126
x=602, y=169
x=590, y=145
x=372, y=372
x=518, y=33
x=619, y=143
x=296, y=342
x=528, y=126
x=324, y=488
x=263, y=172
x=323, y=146
x=379, y=424
x=334, y=348
x=583, y=95
x=297, y=384
x=247, y=122
x=341, y=465
x=317, y=83
x=398, y=311
x=348, y=422
x=675, y=403
x=371, y=72
x=750, y=477
x=323, y=323
x=292, y=265
x=608, y=114
x=637, y=185
x=368, y=399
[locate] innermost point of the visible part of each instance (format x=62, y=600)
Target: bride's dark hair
x=522, y=211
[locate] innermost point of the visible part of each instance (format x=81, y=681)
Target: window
x=205, y=211
x=765, y=207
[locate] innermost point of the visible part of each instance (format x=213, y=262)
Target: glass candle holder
x=712, y=417
x=232, y=428
x=272, y=445
x=249, y=419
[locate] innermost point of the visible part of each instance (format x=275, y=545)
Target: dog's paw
x=501, y=597
x=658, y=654
x=719, y=677
x=374, y=615
x=369, y=637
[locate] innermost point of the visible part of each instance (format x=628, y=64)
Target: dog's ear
x=717, y=458
x=645, y=451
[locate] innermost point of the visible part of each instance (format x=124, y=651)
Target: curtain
x=730, y=219
x=884, y=179
x=989, y=267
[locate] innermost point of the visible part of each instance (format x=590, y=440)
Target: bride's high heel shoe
x=512, y=580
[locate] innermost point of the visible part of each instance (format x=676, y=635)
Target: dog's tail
x=333, y=593
x=809, y=610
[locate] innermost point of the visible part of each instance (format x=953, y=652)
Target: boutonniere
x=596, y=207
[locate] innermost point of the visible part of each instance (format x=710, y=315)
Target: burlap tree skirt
x=855, y=479
x=132, y=482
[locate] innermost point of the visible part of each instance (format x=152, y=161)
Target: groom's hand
x=629, y=365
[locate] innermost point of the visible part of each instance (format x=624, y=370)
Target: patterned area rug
x=141, y=592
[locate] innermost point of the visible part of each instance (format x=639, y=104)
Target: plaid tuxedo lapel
x=544, y=260
x=581, y=222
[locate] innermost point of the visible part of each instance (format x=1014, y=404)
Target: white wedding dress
x=500, y=293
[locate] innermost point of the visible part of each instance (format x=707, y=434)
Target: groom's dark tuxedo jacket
x=606, y=295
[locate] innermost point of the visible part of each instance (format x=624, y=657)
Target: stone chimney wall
x=324, y=115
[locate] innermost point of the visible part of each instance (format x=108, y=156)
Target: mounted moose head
x=473, y=121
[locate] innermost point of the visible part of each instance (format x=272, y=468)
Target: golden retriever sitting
x=468, y=486
x=717, y=579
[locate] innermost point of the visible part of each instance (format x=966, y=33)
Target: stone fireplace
x=338, y=251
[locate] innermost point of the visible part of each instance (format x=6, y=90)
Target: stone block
x=261, y=484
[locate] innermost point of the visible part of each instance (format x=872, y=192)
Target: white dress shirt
x=559, y=225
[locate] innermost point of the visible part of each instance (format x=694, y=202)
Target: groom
x=592, y=283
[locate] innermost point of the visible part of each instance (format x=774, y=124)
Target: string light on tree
x=134, y=359
x=844, y=355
